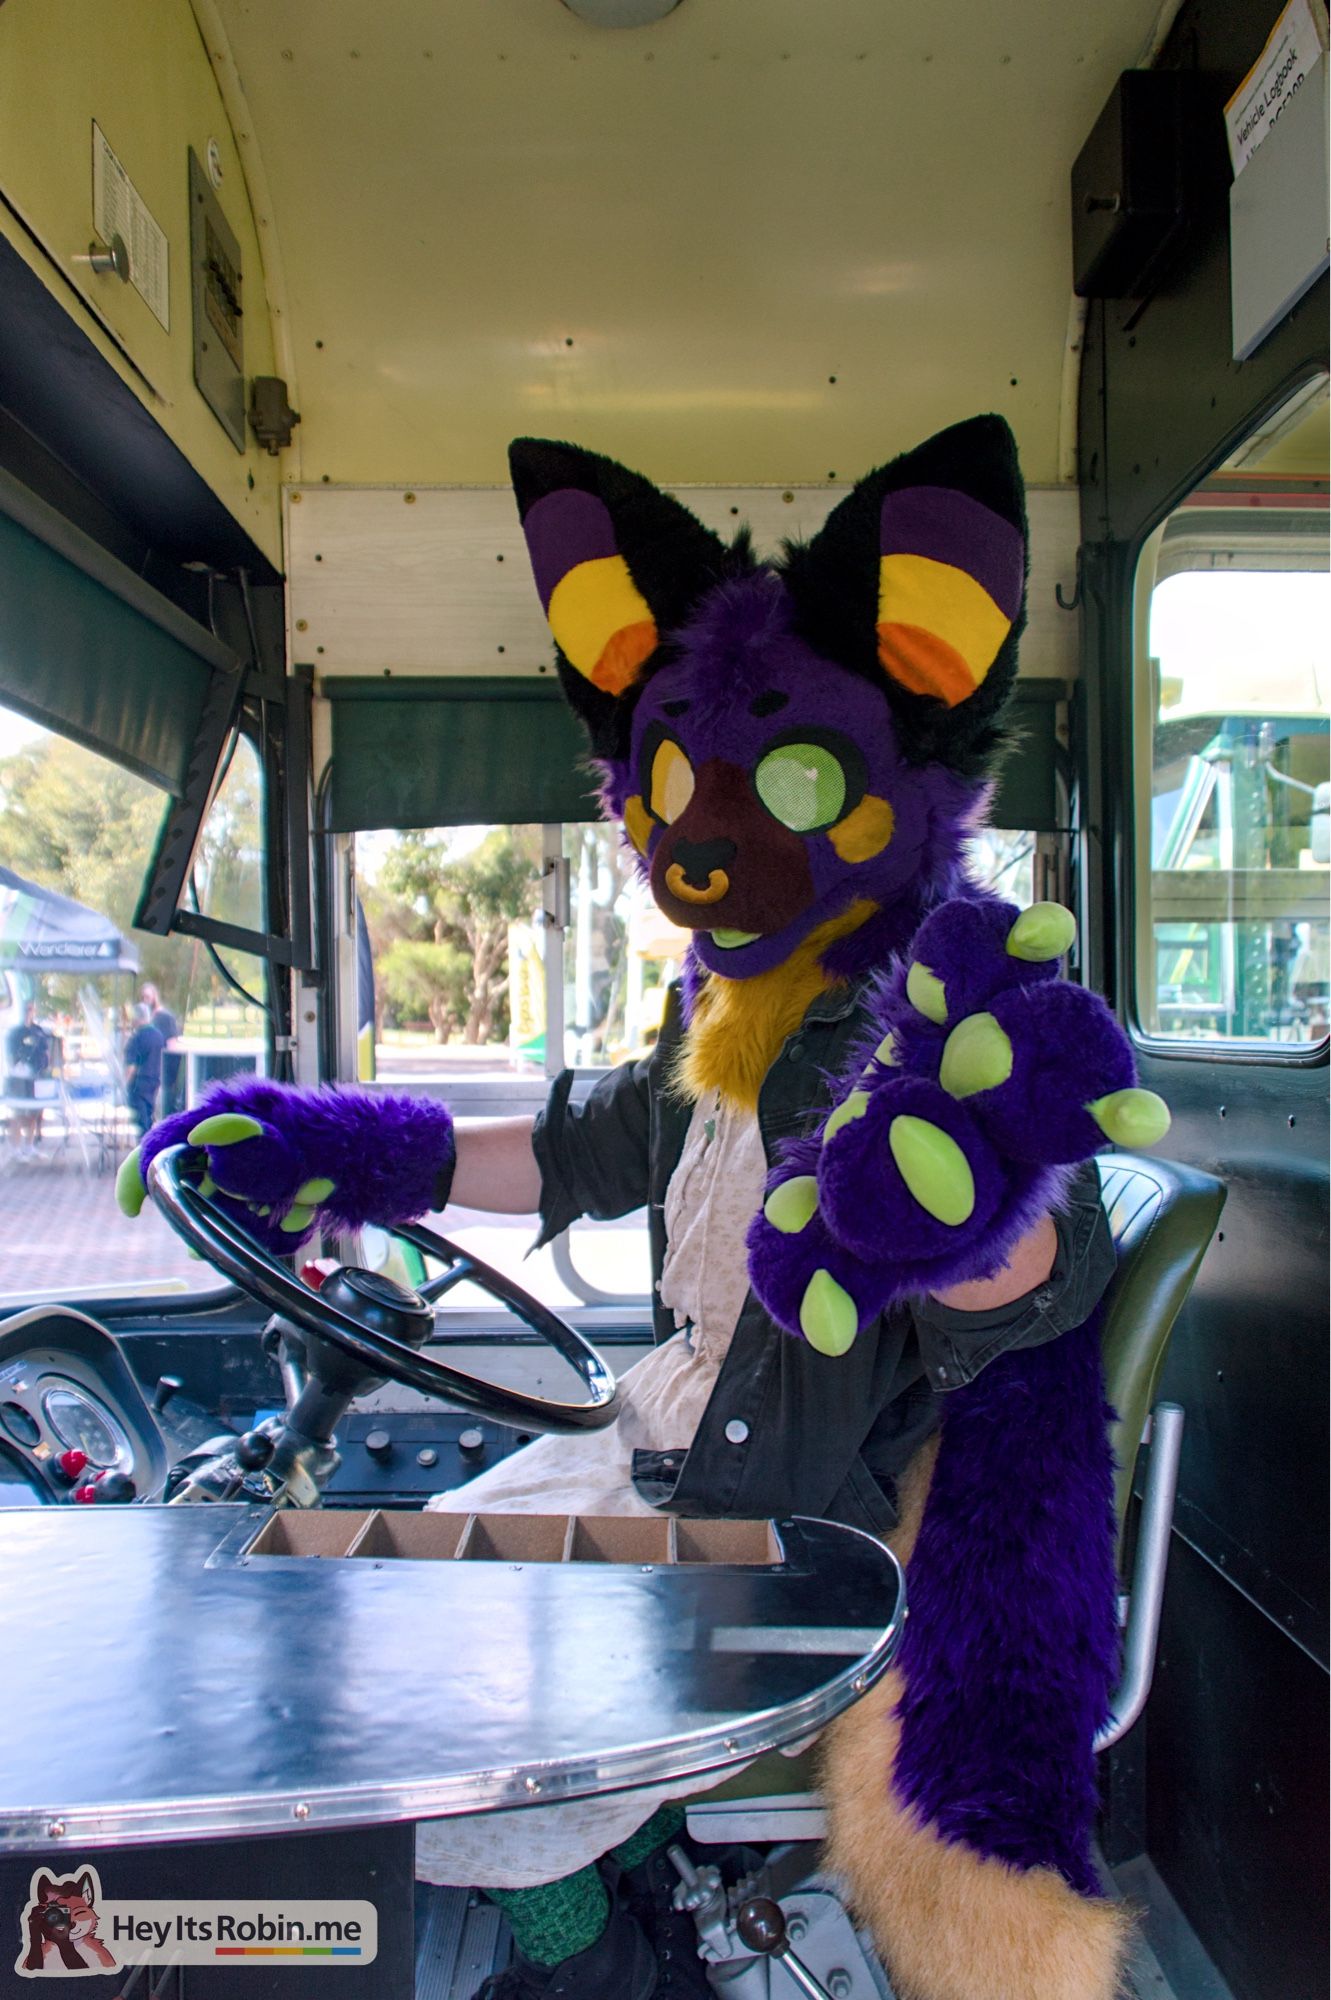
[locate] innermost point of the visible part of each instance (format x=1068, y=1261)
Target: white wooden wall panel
x=434, y=580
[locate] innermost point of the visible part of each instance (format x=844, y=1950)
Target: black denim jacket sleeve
x=593, y=1156
x=955, y=1346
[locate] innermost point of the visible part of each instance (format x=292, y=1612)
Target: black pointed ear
x=617, y=565
x=87, y=1888
x=917, y=581
x=44, y=1889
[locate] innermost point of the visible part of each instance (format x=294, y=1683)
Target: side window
x=621, y=953
x=104, y=1028
x=468, y=993
x=1233, y=775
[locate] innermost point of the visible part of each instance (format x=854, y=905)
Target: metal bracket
x=272, y=418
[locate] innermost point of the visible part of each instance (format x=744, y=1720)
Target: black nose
x=700, y=859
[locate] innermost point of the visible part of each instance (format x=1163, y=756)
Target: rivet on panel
x=295, y=499
x=301, y=1811
x=788, y=498
x=410, y=499
x=302, y=624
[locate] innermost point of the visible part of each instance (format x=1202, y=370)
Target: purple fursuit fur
x=1011, y=1649
x=390, y=1158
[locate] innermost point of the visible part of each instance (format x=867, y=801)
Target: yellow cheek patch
x=672, y=782
x=864, y=832
x=602, y=623
x=636, y=823
x=939, y=631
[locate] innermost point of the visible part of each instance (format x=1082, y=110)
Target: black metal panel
x=86, y=420
x=1248, y=1360
x=1237, y=1818
x=1235, y=1754
x=1174, y=399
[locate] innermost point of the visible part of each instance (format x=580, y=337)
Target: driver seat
x=1162, y=1217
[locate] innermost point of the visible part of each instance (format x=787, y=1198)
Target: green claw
x=792, y=1205
x=1131, y=1117
x=297, y=1220
x=885, y=1053
x=207, y=1185
x=850, y=1107
x=925, y=991
x=311, y=1193
x=224, y=1128
x=976, y=1056
x=829, y=1320
x=1043, y=932
x=934, y=1168
x=131, y=1192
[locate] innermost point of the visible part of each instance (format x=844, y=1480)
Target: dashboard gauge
x=83, y=1424
x=19, y=1425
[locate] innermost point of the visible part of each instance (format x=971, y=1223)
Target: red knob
x=86, y=1494
x=71, y=1463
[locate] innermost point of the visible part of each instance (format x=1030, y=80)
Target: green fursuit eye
x=803, y=785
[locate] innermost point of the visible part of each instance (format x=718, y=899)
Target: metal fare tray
x=163, y=1678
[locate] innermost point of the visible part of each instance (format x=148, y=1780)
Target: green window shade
x=89, y=650
x=469, y=752
x=457, y=752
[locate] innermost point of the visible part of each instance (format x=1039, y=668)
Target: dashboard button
x=379, y=1444
x=70, y=1464
x=471, y=1443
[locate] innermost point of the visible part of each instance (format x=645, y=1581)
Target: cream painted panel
x=436, y=581
x=139, y=68
x=761, y=240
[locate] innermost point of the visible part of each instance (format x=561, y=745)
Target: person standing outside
x=143, y=1068
x=27, y=1056
x=173, y=1063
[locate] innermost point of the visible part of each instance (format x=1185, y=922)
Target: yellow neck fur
x=739, y=1025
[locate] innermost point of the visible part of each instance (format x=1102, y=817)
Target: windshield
x=104, y=1028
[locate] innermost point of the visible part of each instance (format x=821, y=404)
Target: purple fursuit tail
x=1011, y=1650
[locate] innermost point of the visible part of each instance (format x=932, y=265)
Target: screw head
x=55, y=1829
x=532, y=1786
x=301, y=1811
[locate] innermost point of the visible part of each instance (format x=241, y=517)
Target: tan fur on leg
x=949, y=1923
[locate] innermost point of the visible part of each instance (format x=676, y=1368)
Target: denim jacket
x=787, y=1429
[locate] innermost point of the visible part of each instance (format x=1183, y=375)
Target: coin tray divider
x=643, y=1541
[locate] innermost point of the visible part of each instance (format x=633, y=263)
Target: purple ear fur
x=389, y=1158
x=1011, y=1649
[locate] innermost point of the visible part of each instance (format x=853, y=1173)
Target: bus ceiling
x=751, y=242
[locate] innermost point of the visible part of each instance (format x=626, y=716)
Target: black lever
x=167, y=1387
x=761, y=1924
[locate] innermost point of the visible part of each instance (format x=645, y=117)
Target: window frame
x=1149, y=570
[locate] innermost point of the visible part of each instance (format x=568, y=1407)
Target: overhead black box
x=1129, y=186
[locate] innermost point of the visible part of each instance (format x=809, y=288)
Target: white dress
x=712, y=1197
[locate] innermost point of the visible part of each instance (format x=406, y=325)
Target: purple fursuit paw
x=282, y=1161
x=986, y=1077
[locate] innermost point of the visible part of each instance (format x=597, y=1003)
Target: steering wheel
x=225, y=1245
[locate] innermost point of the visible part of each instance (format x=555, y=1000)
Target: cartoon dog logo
x=59, y=1928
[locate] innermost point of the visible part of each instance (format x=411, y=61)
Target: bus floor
x=460, y=1937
